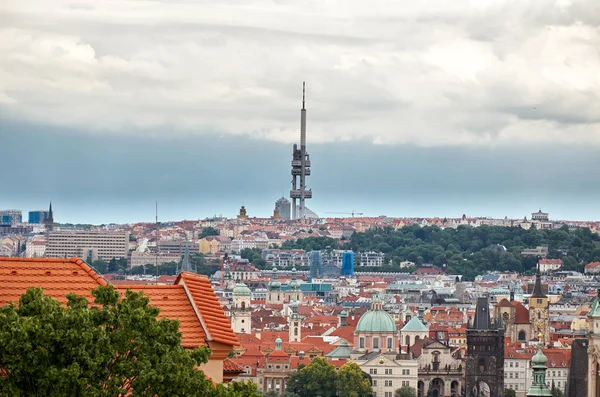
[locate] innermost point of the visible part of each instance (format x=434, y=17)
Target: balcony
x=298, y=171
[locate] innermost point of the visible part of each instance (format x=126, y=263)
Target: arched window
x=243, y=304
x=522, y=336
x=361, y=342
x=375, y=343
x=407, y=340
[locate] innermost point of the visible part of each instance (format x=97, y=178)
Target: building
x=240, y=244
x=593, y=348
x=539, y=310
x=11, y=217
x=371, y=259
x=316, y=264
x=152, y=259
x=389, y=371
x=484, y=373
x=87, y=244
x=38, y=217
x=515, y=318
x=348, y=264
x=440, y=370
x=175, y=247
x=541, y=251
x=592, y=268
x=376, y=330
x=538, y=364
x=190, y=299
x=285, y=258
x=215, y=244
x=241, y=312
x=35, y=248
x=300, y=169
x=550, y=265
x=539, y=216
x=242, y=215
x=284, y=207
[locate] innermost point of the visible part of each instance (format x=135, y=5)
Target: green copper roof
x=376, y=321
x=595, y=310
x=342, y=351
x=414, y=325
x=538, y=387
x=241, y=289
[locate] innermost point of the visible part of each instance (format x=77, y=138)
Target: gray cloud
x=429, y=74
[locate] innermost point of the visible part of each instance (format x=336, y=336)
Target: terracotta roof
x=57, y=276
x=521, y=313
x=230, y=366
x=174, y=304
x=215, y=323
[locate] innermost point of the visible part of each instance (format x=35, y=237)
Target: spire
x=538, y=363
x=537, y=288
x=185, y=265
x=482, y=316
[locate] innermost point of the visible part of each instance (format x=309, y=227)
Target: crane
x=346, y=213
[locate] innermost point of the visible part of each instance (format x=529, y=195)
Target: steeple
x=538, y=363
x=537, y=288
x=482, y=315
x=49, y=221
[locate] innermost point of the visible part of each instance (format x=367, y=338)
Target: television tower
x=300, y=167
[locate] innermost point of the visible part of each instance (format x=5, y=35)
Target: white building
x=388, y=372
x=86, y=244
x=35, y=248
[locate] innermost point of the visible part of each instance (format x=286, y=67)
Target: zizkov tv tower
x=300, y=168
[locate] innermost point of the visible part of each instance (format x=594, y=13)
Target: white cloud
x=491, y=72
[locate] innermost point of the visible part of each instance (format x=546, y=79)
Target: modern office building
x=38, y=217
x=316, y=264
x=284, y=207
x=87, y=244
x=10, y=217
x=347, y=264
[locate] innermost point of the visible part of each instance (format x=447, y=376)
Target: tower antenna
x=156, y=235
x=303, y=93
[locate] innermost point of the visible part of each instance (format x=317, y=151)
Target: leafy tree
x=509, y=393
x=316, y=379
x=351, y=382
x=405, y=391
x=271, y=394
x=208, y=231
x=116, y=347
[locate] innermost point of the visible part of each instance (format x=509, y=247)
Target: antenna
x=303, y=93
x=156, y=235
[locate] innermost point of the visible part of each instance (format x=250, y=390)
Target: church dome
x=241, y=289
x=374, y=321
x=274, y=284
x=294, y=283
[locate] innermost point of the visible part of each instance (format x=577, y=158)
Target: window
x=375, y=343
x=388, y=383
x=539, y=301
x=373, y=371
x=521, y=336
x=516, y=375
x=390, y=344
x=405, y=383
x=510, y=364
x=388, y=394
x=374, y=382
x=361, y=342
x=406, y=372
x=388, y=371
x=517, y=387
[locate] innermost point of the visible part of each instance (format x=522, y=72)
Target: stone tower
x=538, y=309
x=484, y=375
x=538, y=362
x=241, y=318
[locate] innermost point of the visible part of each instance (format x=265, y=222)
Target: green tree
x=208, y=231
x=509, y=393
x=116, y=347
x=350, y=382
x=405, y=391
x=316, y=379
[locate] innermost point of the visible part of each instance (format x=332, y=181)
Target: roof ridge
x=193, y=303
x=88, y=269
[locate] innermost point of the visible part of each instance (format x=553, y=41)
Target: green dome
x=376, y=321
x=241, y=289
x=274, y=284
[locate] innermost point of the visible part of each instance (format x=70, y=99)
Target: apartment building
x=87, y=244
x=149, y=258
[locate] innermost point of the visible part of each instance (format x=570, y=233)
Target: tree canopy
x=115, y=347
x=208, y=231
x=405, y=391
x=320, y=378
x=469, y=250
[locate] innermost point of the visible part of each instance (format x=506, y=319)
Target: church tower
x=538, y=308
x=295, y=321
x=49, y=221
x=484, y=374
x=538, y=363
x=241, y=317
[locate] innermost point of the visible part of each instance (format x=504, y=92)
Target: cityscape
x=434, y=232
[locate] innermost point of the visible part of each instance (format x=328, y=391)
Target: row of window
x=389, y=371
x=361, y=343
x=390, y=383
x=385, y=394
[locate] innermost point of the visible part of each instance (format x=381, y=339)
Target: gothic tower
x=241, y=318
x=484, y=374
x=49, y=221
x=538, y=309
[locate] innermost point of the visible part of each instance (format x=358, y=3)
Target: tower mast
x=300, y=167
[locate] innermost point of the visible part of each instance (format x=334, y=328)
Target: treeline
x=198, y=264
x=469, y=250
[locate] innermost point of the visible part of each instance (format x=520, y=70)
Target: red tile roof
x=58, y=277
x=205, y=302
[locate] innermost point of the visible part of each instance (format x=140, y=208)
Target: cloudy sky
x=483, y=107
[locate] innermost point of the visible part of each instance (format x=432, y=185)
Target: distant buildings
x=38, y=217
x=316, y=264
x=148, y=258
x=284, y=207
x=347, y=264
x=10, y=217
x=550, y=265
x=87, y=244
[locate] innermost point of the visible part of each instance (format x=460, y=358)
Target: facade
x=413, y=331
x=176, y=247
x=550, y=265
x=214, y=245
x=389, y=372
x=440, y=370
x=593, y=349
x=35, y=248
x=370, y=259
x=376, y=330
x=11, y=217
x=148, y=258
x=484, y=375
x=316, y=264
x=538, y=309
x=539, y=216
x=284, y=208
x=38, y=217
x=86, y=244
x=347, y=264
x=240, y=244
x=516, y=319
x=285, y=258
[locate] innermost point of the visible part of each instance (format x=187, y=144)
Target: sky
x=437, y=108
